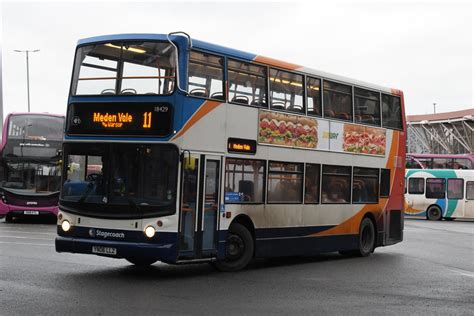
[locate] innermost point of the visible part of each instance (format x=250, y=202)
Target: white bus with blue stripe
x=438, y=194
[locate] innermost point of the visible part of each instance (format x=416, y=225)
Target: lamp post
x=434, y=107
x=27, y=71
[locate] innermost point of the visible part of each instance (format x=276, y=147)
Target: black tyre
x=142, y=262
x=366, y=240
x=8, y=218
x=239, y=249
x=434, y=213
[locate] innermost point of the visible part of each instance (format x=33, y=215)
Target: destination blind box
x=122, y=119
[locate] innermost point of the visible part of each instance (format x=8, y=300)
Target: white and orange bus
x=210, y=154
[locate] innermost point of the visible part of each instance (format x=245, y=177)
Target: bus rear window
x=435, y=188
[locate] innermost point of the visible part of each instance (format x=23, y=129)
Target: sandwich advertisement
x=306, y=132
x=287, y=130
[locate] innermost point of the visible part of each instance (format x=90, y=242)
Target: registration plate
x=31, y=212
x=104, y=250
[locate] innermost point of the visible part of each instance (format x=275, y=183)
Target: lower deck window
x=311, y=184
x=336, y=184
x=365, y=185
x=285, y=182
x=455, y=189
x=244, y=180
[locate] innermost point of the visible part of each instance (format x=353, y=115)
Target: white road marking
x=25, y=243
x=18, y=237
x=463, y=272
x=25, y=232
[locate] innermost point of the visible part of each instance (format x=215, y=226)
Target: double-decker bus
x=30, y=171
x=439, y=194
x=440, y=161
x=183, y=151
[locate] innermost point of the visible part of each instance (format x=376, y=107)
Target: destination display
x=240, y=145
x=123, y=119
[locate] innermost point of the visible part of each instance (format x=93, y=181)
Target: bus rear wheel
x=141, y=262
x=434, y=213
x=366, y=240
x=238, y=251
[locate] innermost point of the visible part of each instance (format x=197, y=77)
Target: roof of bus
x=441, y=155
x=240, y=55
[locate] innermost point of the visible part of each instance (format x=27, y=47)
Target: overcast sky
x=422, y=48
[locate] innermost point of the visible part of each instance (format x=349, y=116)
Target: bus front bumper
x=117, y=249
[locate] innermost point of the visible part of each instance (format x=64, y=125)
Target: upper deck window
x=337, y=101
x=286, y=91
x=35, y=127
x=206, y=75
x=313, y=98
x=247, y=83
x=127, y=68
x=391, y=112
x=367, y=106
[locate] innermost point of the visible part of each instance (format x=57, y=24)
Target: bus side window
x=285, y=182
x=391, y=112
x=336, y=187
x=247, y=83
x=455, y=189
x=365, y=184
x=206, y=76
x=385, y=183
x=244, y=180
x=313, y=96
x=470, y=190
x=337, y=100
x=311, y=184
x=367, y=106
x=435, y=188
x=416, y=185
x=286, y=91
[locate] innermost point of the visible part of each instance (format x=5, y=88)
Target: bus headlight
x=65, y=226
x=150, y=231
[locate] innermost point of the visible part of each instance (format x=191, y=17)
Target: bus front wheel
x=434, y=213
x=238, y=251
x=141, y=262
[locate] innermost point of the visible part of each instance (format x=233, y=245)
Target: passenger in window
x=312, y=192
x=334, y=194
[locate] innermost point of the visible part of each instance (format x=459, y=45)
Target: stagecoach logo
x=31, y=203
x=105, y=234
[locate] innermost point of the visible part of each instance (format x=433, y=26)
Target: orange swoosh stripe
x=351, y=225
x=276, y=62
x=207, y=107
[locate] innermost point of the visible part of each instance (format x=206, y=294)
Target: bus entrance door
x=199, y=206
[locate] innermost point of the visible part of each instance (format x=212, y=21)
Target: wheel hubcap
x=235, y=247
x=366, y=239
